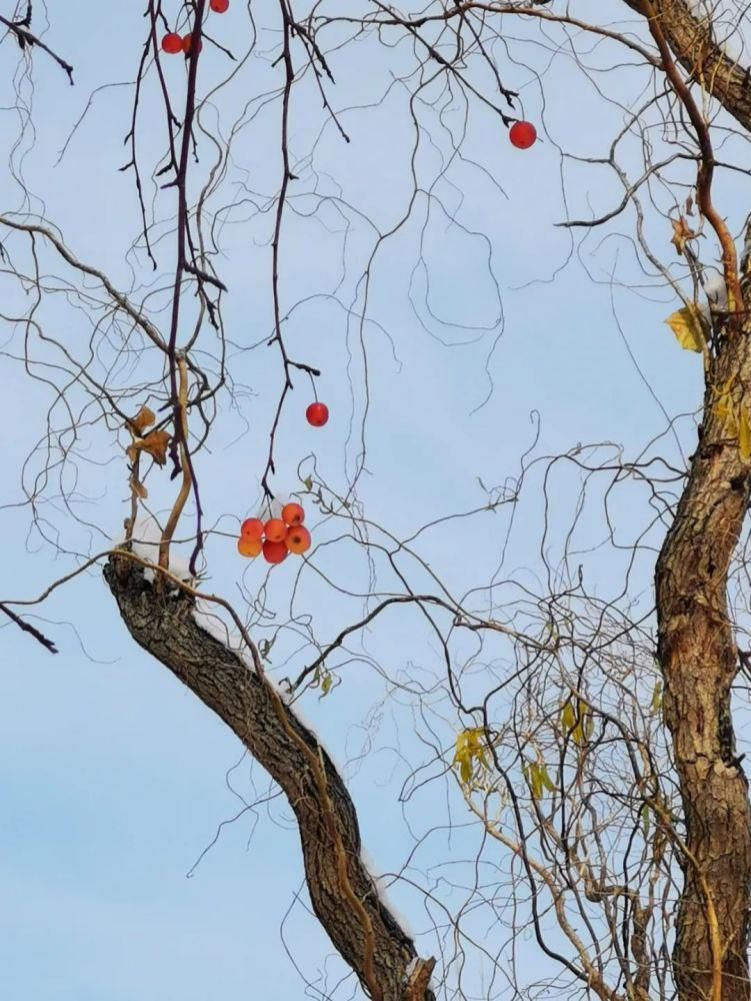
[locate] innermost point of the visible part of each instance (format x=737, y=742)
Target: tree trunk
x=342, y=893
x=699, y=661
x=689, y=33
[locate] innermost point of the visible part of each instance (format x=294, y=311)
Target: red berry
x=219, y=6
x=172, y=43
x=293, y=514
x=522, y=135
x=317, y=414
x=298, y=539
x=274, y=552
x=187, y=44
x=275, y=530
x=252, y=528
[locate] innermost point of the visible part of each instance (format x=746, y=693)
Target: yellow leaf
x=577, y=721
x=547, y=782
x=538, y=779
x=687, y=327
x=645, y=819
x=744, y=435
x=470, y=753
x=568, y=718
x=656, y=703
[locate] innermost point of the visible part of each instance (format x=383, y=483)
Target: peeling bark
x=696, y=646
x=699, y=660
x=342, y=892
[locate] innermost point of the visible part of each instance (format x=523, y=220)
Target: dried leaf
x=744, y=435
x=682, y=233
x=687, y=327
x=143, y=419
x=155, y=443
x=645, y=819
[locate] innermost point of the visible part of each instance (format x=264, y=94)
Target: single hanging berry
x=317, y=414
x=522, y=135
x=172, y=43
x=187, y=44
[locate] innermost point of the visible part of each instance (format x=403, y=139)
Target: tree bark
x=342, y=892
x=695, y=47
x=699, y=660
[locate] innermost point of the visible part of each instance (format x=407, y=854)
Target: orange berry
x=293, y=514
x=298, y=539
x=274, y=552
x=252, y=528
x=275, y=530
x=249, y=547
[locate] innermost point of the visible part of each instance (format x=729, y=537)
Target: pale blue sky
x=112, y=776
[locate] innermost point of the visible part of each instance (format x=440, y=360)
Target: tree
x=595, y=744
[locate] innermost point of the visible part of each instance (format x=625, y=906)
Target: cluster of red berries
x=275, y=538
x=172, y=43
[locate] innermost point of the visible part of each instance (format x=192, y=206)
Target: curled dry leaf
x=143, y=419
x=154, y=444
x=682, y=233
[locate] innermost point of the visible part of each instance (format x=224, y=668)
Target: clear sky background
x=113, y=777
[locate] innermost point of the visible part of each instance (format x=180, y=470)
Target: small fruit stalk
x=276, y=538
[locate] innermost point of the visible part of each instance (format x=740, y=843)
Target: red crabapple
x=298, y=539
x=317, y=414
x=172, y=43
x=275, y=530
x=274, y=552
x=293, y=514
x=252, y=528
x=522, y=135
x=249, y=547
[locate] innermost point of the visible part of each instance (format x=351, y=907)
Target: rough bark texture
x=696, y=648
x=163, y=624
x=699, y=660
x=691, y=39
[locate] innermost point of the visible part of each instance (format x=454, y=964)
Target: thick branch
x=698, y=51
x=346, y=902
